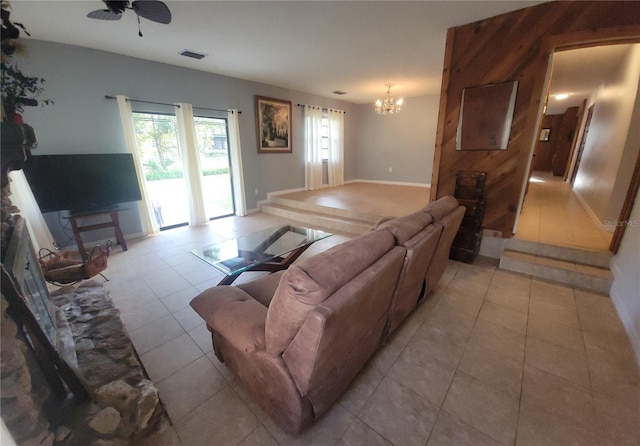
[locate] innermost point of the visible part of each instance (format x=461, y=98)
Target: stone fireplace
x=121, y=406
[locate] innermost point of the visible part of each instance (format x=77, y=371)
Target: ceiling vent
x=192, y=54
x=339, y=92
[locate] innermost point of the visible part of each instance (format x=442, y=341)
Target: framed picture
x=486, y=114
x=544, y=134
x=273, y=117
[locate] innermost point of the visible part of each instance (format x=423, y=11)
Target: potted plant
x=18, y=91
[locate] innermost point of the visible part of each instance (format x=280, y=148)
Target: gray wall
x=404, y=142
x=81, y=120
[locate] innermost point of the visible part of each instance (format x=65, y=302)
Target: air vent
x=192, y=54
x=339, y=92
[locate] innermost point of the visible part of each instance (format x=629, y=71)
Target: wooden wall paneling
x=514, y=46
x=441, y=113
x=564, y=141
x=544, y=149
x=575, y=141
x=627, y=207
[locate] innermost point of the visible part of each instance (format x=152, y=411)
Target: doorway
x=586, y=174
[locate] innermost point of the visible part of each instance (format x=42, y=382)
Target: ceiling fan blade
x=104, y=14
x=153, y=10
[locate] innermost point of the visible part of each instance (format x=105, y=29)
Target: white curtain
x=23, y=198
x=191, y=162
x=313, y=146
x=335, y=162
x=145, y=207
x=236, y=163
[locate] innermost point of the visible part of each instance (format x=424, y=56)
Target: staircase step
x=318, y=220
x=324, y=210
x=567, y=272
x=600, y=259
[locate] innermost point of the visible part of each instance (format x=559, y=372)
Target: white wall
x=625, y=291
x=627, y=162
x=404, y=142
x=599, y=168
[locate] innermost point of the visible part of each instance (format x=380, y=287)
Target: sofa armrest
x=233, y=314
x=383, y=220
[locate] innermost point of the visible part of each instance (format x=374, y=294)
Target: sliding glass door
x=164, y=170
x=213, y=149
x=157, y=142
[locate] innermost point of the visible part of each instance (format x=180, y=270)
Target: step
x=579, y=275
x=601, y=259
x=318, y=220
x=324, y=210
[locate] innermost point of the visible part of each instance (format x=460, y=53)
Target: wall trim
x=392, y=183
x=594, y=217
x=282, y=192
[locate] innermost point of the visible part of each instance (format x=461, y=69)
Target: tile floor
x=489, y=358
x=553, y=214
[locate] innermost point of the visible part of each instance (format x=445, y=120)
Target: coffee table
x=271, y=249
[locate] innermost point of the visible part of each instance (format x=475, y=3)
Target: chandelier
x=388, y=106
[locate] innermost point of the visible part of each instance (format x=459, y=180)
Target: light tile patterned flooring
x=489, y=358
x=553, y=214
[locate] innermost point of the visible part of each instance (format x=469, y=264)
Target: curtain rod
x=166, y=103
x=323, y=108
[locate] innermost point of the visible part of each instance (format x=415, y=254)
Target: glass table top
x=237, y=255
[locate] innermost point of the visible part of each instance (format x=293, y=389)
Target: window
x=325, y=135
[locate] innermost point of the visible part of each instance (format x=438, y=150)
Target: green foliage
x=171, y=174
x=18, y=89
x=218, y=171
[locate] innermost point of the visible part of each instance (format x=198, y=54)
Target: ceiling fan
x=153, y=10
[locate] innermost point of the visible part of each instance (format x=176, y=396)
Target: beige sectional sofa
x=297, y=338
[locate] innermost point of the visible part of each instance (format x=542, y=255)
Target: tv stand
x=114, y=223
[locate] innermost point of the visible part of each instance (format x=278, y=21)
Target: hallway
x=553, y=214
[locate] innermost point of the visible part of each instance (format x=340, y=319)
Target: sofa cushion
x=308, y=283
x=403, y=228
x=440, y=208
x=233, y=314
x=263, y=288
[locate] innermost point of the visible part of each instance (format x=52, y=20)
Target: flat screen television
x=82, y=183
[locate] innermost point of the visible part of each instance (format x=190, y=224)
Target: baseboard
x=593, y=216
x=392, y=183
x=281, y=192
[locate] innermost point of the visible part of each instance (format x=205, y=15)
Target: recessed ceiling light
x=561, y=96
x=339, y=92
x=192, y=54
